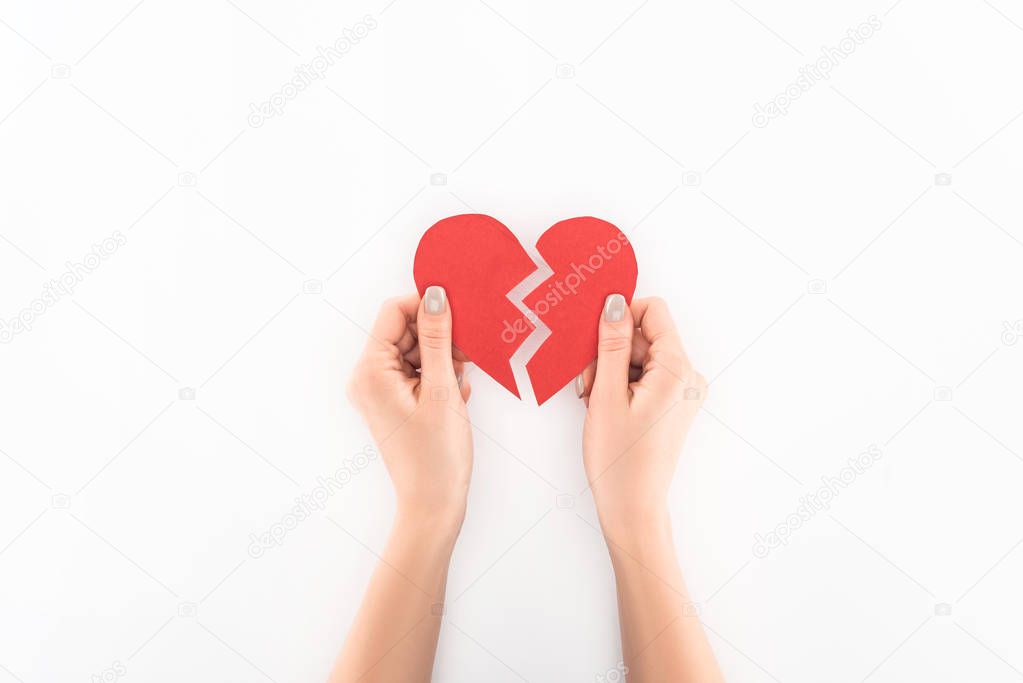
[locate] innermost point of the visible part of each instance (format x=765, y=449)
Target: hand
x=642, y=395
x=408, y=387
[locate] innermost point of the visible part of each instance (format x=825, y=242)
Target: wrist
x=435, y=524
x=419, y=550
x=636, y=531
x=628, y=514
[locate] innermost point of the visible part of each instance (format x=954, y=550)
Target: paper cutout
x=479, y=261
x=591, y=259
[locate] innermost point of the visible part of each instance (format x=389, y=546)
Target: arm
x=420, y=424
x=642, y=395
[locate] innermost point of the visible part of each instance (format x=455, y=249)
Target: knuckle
x=677, y=391
x=659, y=307
x=387, y=305
x=434, y=338
x=670, y=360
x=614, y=344
x=657, y=302
x=666, y=338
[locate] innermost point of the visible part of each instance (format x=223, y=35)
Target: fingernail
x=435, y=299
x=580, y=385
x=458, y=377
x=614, y=308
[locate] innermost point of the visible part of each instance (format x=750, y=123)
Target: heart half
x=479, y=261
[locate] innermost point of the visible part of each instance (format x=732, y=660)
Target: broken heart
x=485, y=269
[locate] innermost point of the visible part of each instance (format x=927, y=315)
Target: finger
x=614, y=347
x=456, y=352
x=463, y=382
x=640, y=346
x=653, y=319
x=666, y=361
x=393, y=320
x=413, y=357
x=658, y=328
x=584, y=382
x=407, y=341
x=635, y=372
x=434, y=327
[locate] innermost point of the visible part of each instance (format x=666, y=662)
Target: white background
x=836, y=295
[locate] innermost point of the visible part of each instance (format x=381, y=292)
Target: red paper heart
x=478, y=261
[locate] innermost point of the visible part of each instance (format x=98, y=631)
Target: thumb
x=433, y=326
x=614, y=348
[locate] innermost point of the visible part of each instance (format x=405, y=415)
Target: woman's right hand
x=408, y=387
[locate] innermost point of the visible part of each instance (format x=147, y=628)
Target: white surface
x=121, y=504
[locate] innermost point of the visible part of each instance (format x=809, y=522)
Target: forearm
x=394, y=635
x=662, y=637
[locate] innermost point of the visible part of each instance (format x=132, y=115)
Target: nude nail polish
x=614, y=308
x=435, y=300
